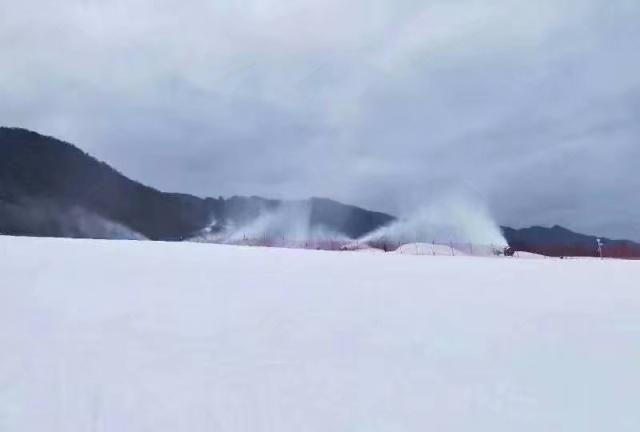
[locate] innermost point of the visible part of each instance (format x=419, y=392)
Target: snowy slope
x=141, y=336
x=428, y=249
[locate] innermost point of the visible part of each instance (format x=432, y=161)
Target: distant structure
x=599, y=242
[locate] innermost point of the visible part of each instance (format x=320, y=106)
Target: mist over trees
x=51, y=188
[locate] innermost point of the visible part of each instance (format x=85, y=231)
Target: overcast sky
x=530, y=106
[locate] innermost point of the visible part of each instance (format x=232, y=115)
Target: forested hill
x=46, y=184
x=560, y=241
x=51, y=188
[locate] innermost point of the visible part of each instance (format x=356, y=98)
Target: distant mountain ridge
x=42, y=177
x=560, y=241
x=51, y=188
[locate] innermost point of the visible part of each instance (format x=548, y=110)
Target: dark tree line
x=42, y=174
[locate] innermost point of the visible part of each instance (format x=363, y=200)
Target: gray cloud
x=533, y=107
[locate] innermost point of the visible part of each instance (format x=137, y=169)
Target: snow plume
x=84, y=223
x=288, y=222
x=44, y=217
x=454, y=219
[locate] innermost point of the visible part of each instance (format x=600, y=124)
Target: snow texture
x=147, y=336
x=428, y=249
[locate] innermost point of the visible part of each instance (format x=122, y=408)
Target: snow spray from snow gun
x=454, y=219
x=288, y=223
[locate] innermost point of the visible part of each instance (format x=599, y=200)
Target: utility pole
x=599, y=242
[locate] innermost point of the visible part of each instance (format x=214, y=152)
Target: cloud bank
x=531, y=106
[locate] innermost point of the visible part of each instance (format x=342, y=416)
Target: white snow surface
x=147, y=336
x=428, y=249
x=528, y=255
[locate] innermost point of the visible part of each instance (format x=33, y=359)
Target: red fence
x=435, y=248
x=621, y=251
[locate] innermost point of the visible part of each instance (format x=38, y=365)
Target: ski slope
x=141, y=336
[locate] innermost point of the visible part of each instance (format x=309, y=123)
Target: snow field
x=133, y=336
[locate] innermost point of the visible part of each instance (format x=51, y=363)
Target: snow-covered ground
x=141, y=336
x=428, y=249
x=435, y=249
